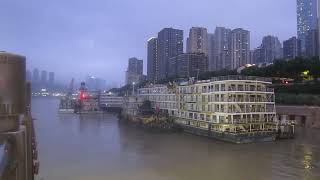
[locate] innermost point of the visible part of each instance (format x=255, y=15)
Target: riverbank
x=158, y=123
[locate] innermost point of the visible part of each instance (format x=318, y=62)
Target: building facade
x=170, y=44
x=188, y=65
x=222, y=49
x=44, y=77
x=233, y=108
x=240, y=47
x=269, y=51
x=272, y=47
x=35, y=75
x=312, y=44
x=210, y=52
x=153, y=73
x=259, y=55
x=51, y=78
x=306, y=19
x=95, y=84
x=197, y=41
x=291, y=48
x=134, y=73
x=135, y=65
x=251, y=56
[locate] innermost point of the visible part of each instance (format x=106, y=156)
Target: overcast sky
x=75, y=38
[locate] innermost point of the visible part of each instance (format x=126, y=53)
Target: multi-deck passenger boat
x=237, y=109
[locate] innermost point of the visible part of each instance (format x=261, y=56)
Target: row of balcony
x=223, y=99
x=230, y=109
x=223, y=89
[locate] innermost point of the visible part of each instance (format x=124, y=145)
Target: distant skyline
x=96, y=37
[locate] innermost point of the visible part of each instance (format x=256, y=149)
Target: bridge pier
x=16, y=124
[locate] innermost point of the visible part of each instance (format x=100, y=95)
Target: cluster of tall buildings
x=224, y=49
x=166, y=57
x=95, y=84
x=40, y=77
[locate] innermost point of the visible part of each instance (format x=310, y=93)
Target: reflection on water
x=97, y=147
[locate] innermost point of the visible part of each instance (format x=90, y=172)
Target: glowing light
x=83, y=95
x=306, y=73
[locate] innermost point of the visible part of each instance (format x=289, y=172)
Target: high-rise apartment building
x=251, y=57
x=153, y=73
x=221, y=49
x=269, y=50
x=95, y=84
x=135, y=65
x=259, y=55
x=312, y=43
x=44, y=76
x=170, y=44
x=134, y=72
x=35, y=75
x=306, y=19
x=240, y=47
x=51, y=78
x=291, y=48
x=210, y=51
x=188, y=65
x=197, y=41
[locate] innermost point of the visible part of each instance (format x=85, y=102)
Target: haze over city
x=78, y=38
x=159, y=89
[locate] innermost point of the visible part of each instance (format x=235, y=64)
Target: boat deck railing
x=240, y=77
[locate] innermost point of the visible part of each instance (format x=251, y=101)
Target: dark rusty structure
x=19, y=158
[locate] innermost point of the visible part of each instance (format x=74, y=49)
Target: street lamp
x=133, y=83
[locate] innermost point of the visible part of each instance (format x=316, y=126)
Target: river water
x=99, y=148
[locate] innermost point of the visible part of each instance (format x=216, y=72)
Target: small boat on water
x=83, y=102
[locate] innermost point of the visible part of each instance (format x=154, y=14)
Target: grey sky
x=75, y=38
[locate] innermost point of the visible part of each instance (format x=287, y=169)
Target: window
x=223, y=87
x=214, y=118
x=208, y=118
x=202, y=117
x=222, y=119
x=217, y=87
